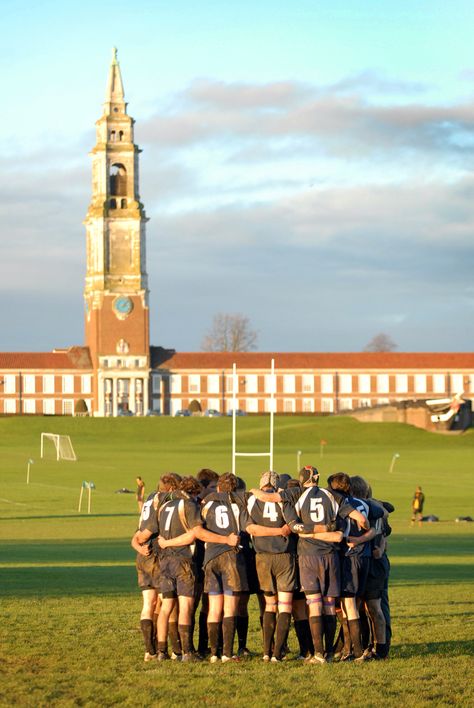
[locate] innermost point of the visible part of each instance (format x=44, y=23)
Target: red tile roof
x=168, y=359
x=72, y=358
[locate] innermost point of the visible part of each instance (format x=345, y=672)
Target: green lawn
x=70, y=631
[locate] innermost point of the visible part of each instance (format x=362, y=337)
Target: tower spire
x=114, y=95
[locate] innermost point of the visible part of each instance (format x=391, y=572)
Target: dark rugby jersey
x=265, y=513
x=374, y=513
x=317, y=506
x=175, y=517
x=149, y=522
x=223, y=513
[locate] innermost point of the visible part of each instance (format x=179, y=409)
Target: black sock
x=173, y=635
x=148, y=635
x=303, y=635
x=203, y=635
x=382, y=650
x=329, y=623
x=186, y=635
x=282, y=629
x=155, y=627
x=269, y=624
x=242, y=627
x=339, y=643
x=317, y=628
x=228, y=633
x=364, y=629
x=347, y=637
x=163, y=647
x=213, y=631
x=354, y=630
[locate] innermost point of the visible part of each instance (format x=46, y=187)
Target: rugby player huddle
x=308, y=552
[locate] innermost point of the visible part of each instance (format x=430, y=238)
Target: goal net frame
x=62, y=444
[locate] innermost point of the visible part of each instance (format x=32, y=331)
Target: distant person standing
x=140, y=493
x=417, y=506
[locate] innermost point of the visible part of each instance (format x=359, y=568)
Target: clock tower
x=116, y=288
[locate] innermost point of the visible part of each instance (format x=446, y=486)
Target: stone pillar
x=114, y=397
x=131, y=396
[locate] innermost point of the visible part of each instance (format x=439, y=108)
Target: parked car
x=212, y=413
x=153, y=413
x=124, y=411
x=182, y=413
x=238, y=411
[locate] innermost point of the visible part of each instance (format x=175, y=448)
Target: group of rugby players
x=309, y=552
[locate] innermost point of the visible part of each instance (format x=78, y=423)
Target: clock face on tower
x=122, y=306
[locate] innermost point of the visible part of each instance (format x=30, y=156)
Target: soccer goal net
x=62, y=444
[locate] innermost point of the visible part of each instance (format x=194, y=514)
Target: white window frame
x=327, y=383
x=9, y=383
x=251, y=405
x=288, y=405
x=49, y=406
x=156, y=384
x=401, y=383
x=365, y=403
x=307, y=383
x=29, y=406
x=229, y=384
x=213, y=383
x=86, y=383
x=345, y=404
x=270, y=383
x=345, y=383
x=457, y=383
x=365, y=383
x=29, y=383
x=308, y=405
x=48, y=383
x=289, y=383
x=68, y=406
x=420, y=383
x=214, y=404
x=439, y=383
x=156, y=404
x=251, y=383
x=327, y=405
x=175, y=405
x=68, y=383
x=383, y=383
x=270, y=404
x=175, y=384
x=383, y=401
x=9, y=406
x=194, y=383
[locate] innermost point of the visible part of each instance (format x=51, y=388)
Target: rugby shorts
x=177, y=577
x=226, y=574
x=148, y=571
x=354, y=572
x=320, y=574
x=376, y=579
x=276, y=572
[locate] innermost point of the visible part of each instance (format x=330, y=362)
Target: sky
x=307, y=164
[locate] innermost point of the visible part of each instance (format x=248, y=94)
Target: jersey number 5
x=316, y=510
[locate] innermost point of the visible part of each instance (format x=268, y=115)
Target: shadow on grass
x=87, y=551
x=68, y=581
x=406, y=574
x=444, y=649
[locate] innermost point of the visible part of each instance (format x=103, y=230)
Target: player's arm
x=297, y=526
x=139, y=540
x=258, y=530
x=185, y=539
x=361, y=520
x=210, y=537
x=353, y=541
x=266, y=496
x=329, y=536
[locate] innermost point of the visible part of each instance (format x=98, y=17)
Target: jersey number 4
x=270, y=512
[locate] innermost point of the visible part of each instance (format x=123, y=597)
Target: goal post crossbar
x=62, y=444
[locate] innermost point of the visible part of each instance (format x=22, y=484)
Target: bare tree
x=381, y=343
x=230, y=333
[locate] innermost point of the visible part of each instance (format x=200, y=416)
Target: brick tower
x=116, y=288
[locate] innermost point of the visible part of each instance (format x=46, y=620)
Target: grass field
x=70, y=630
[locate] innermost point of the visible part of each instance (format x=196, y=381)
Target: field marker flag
x=89, y=486
x=322, y=444
x=30, y=462
x=392, y=464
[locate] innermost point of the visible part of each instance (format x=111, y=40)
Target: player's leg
x=285, y=602
x=203, y=642
x=214, y=622
x=312, y=578
x=242, y=624
x=329, y=624
x=300, y=618
x=146, y=622
x=269, y=623
x=234, y=583
x=231, y=603
x=168, y=601
x=351, y=612
x=375, y=611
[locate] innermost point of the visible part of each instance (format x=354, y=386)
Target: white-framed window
x=214, y=404
x=401, y=383
x=156, y=404
x=327, y=405
x=288, y=405
x=308, y=405
x=252, y=405
x=457, y=383
x=420, y=383
x=29, y=406
x=156, y=383
x=9, y=383
x=86, y=383
x=175, y=383
x=68, y=383
x=364, y=403
x=68, y=407
x=307, y=383
x=251, y=383
x=29, y=381
x=345, y=404
x=176, y=405
x=270, y=404
x=364, y=383
x=48, y=383
x=288, y=383
x=270, y=383
x=9, y=405
x=194, y=383
x=229, y=384
x=439, y=383
x=382, y=383
x=49, y=407
x=383, y=401
x=213, y=383
x=345, y=384
x=327, y=383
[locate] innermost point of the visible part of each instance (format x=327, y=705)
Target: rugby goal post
x=235, y=388
x=62, y=444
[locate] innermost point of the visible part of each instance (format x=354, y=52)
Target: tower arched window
x=112, y=136
x=123, y=203
x=113, y=203
x=120, y=135
x=118, y=180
